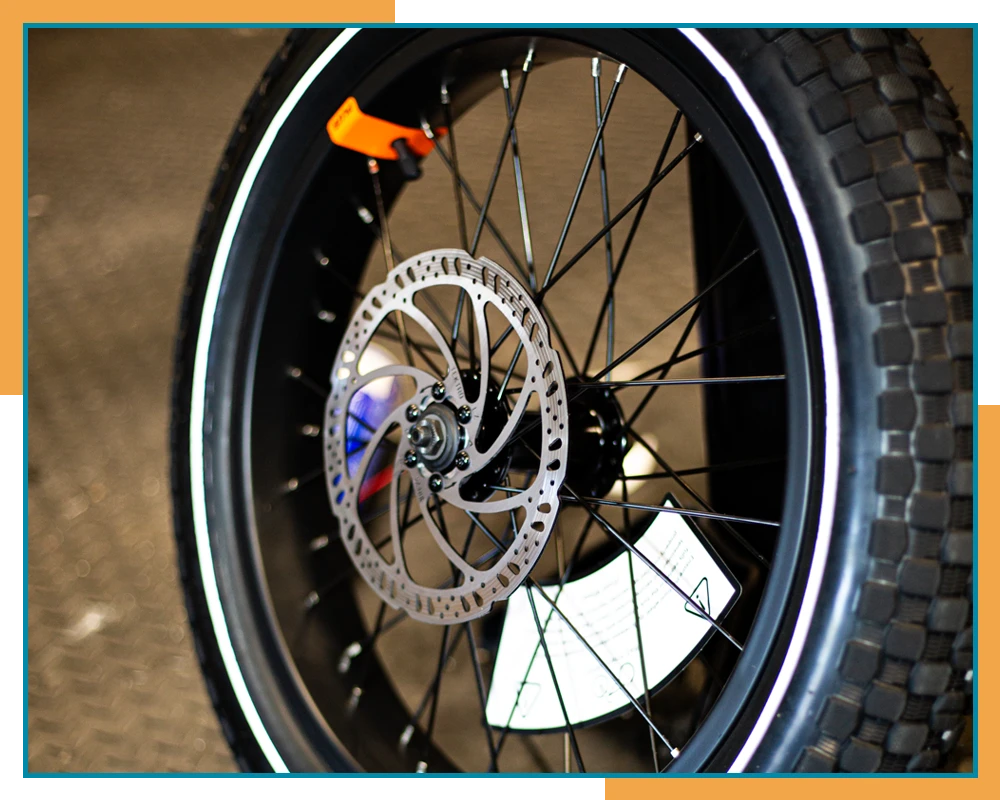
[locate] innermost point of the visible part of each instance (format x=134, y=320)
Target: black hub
x=496, y=412
x=597, y=433
x=596, y=429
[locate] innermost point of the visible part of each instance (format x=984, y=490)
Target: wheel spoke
x=689, y=326
x=618, y=217
x=471, y=197
x=532, y=584
x=463, y=233
x=683, y=382
x=609, y=303
x=683, y=512
x=481, y=692
x=387, y=250
x=628, y=242
x=638, y=635
x=583, y=178
x=698, y=498
x=435, y=694
x=588, y=505
x=522, y=205
x=555, y=680
x=673, y=317
x=666, y=366
x=488, y=197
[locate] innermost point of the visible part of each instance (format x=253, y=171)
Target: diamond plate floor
x=125, y=130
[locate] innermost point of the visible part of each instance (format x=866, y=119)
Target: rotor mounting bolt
x=462, y=460
x=410, y=459
x=439, y=391
x=413, y=413
x=464, y=415
x=435, y=482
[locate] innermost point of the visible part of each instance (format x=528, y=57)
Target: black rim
x=285, y=376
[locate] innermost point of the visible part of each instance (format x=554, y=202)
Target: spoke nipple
x=410, y=459
x=435, y=482
x=445, y=97
x=326, y=316
x=595, y=67
x=310, y=430
x=321, y=259
x=464, y=415
x=413, y=413
x=312, y=599
x=621, y=73
x=699, y=138
x=366, y=215
x=372, y=166
x=421, y=767
x=319, y=543
x=425, y=126
x=292, y=485
x=294, y=372
x=350, y=653
x=356, y=693
x=462, y=460
x=439, y=391
x=405, y=736
x=529, y=60
x=675, y=752
x=505, y=78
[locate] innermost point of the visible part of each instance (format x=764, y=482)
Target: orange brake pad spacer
x=352, y=128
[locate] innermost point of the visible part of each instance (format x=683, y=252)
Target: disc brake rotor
x=439, y=447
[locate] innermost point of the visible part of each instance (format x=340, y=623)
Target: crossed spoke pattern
x=452, y=334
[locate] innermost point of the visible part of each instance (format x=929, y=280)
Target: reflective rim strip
x=198, y=507
x=832, y=385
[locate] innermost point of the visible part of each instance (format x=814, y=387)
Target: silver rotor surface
x=429, y=416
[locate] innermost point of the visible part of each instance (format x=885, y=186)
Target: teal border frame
x=453, y=13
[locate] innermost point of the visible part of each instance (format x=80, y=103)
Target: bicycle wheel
x=612, y=414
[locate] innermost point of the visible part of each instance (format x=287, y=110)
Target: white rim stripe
x=198, y=507
x=832, y=386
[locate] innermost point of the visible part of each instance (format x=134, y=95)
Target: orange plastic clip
x=352, y=128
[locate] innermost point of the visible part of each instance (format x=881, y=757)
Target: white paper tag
x=600, y=606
